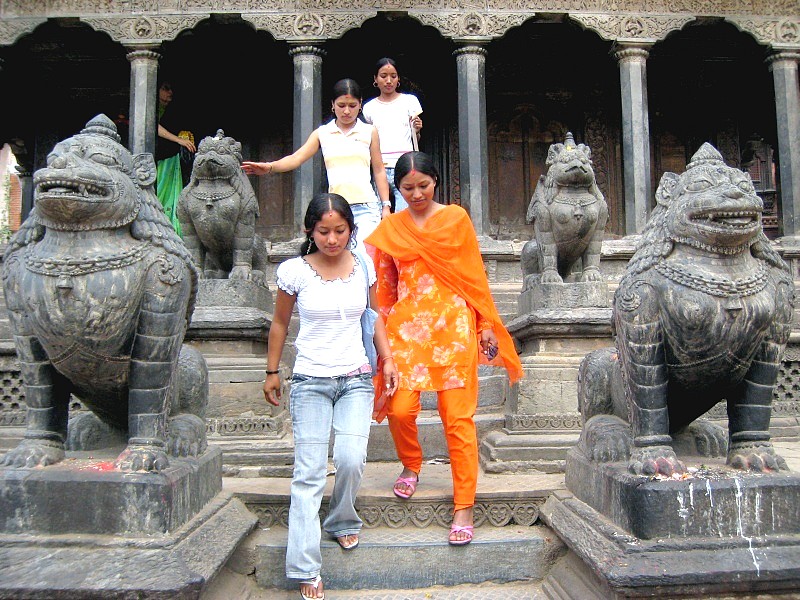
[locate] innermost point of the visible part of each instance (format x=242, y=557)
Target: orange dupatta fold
x=450, y=249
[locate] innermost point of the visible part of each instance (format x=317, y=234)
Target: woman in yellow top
x=441, y=322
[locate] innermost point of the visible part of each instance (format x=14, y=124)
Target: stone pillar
x=307, y=117
x=144, y=100
x=473, y=149
x=787, y=111
x=635, y=136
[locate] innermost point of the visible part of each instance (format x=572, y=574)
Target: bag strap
x=361, y=260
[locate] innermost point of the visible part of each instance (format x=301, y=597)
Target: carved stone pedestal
x=81, y=529
x=542, y=420
x=230, y=328
x=539, y=296
x=718, y=532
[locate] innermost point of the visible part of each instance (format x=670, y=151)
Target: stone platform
x=83, y=530
x=714, y=532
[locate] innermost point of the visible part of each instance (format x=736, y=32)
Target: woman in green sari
x=169, y=178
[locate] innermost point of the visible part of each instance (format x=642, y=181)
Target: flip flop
x=342, y=541
x=315, y=584
x=410, y=482
x=467, y=529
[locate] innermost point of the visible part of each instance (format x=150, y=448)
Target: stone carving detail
x=569, y=215
x=13, y=29
x=544, y=422
x=310, y=26
x=639, y=28
x=143, y=29
x=99, y=290
x=245, y=426
x=218, y=212
x=471, y=25
x=702, y=313
x=416, y=513
x=775, y=32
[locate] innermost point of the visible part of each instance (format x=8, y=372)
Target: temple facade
x=642, y=82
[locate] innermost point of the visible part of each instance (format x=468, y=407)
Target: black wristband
x=272, y=372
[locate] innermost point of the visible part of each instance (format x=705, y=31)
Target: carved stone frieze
x=778, y=33
x=523, y=423
x=274, y=512
x=13, y=29
x=245, y=426
x=471, y=25
x=143, y=29
x=308, y=25
x=633, y=27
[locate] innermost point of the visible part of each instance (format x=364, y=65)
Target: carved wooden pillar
x=307, y=117
x=635, y=136
x=143, y=101
x=787, y=111
x=472, y=135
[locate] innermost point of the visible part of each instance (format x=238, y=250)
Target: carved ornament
x=144, y=30
x=307, y=26
x=778, y=33
x=472, y=25
x=632, y=27
x=13, y=29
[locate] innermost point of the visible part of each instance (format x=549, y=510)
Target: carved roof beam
x=144, y=32
x=639, y=30
x=308, y=27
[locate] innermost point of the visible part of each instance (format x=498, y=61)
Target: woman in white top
x=350, y=149
x=331, y=382
x=396, y=117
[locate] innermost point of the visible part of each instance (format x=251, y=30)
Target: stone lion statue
x=218, y=211
x=100, y=290
x=702, y=314
x=569, y=215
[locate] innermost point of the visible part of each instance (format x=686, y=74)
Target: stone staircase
x=403, y=544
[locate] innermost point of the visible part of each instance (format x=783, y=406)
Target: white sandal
x=315, y=584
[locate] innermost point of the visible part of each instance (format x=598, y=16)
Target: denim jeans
x=367, y=216
x=317, y=404
x=399, y=202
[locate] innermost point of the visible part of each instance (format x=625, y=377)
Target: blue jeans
x=399, y=202
x=316, y=404
x=367, y=216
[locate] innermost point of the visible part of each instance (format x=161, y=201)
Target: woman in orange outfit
x=441, y=322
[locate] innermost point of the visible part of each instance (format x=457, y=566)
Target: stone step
x=389, y=558
x=228, y=585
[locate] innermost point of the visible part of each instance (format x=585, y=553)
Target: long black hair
x=415, y=161
x=346, y=87
x=319, y=205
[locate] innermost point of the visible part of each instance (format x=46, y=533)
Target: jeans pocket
x=298, y=378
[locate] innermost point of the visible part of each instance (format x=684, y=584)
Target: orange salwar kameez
x=434, y=297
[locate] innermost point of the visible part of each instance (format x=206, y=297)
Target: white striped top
x=329, y=342
x=347, y=161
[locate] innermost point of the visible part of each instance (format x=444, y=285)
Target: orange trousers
x=457, y=409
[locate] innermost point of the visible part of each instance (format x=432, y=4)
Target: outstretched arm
x=287, y=163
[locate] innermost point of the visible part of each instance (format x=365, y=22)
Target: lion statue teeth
x=217, y=211
x=702, y=314
x=569, y=215
x=100, y=290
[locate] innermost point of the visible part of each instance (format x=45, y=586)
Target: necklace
x=722, y=287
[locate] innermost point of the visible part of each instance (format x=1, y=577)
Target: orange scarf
x=450, y=249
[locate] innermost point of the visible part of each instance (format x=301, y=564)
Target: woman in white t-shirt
x=351, y=150
x=396, y=116
x=331, y=381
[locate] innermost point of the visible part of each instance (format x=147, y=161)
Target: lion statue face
x=711, y=205
x=570, y=165
x=217, y=157
x=88, y=183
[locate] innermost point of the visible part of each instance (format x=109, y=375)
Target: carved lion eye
x=746, y=186
x=699, y=185
x=103, y=158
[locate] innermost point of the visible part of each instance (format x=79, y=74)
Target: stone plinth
x=542, y=420
x=717, y=532
x=85, y=494
x=82, y=530
x=539, y=296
